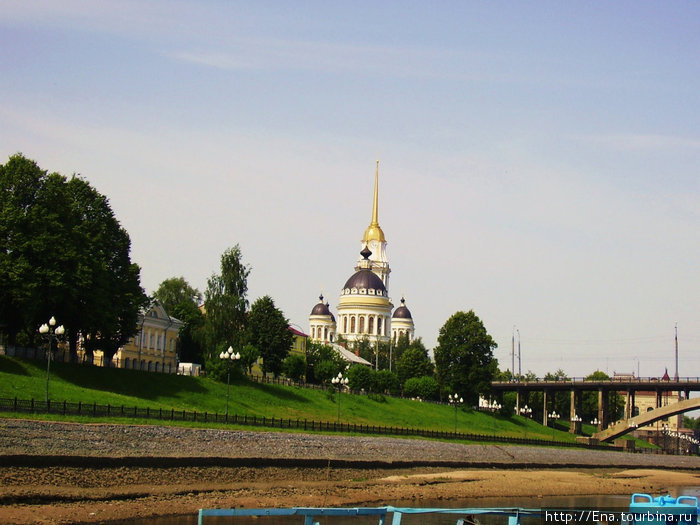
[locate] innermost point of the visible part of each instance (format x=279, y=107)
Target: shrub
x=294, y=367
x=425, y=387
x=386, y=381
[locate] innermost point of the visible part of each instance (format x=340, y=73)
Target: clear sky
x=539, y=160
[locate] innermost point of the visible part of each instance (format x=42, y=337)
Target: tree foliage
x=182, y=301
x=322, y=363
x=589, y=400
x=63, y=253
x=464, y=356
x=225, y=303
x=425, y=387
x=268, y=331
x=294, y=367
x=414, y=362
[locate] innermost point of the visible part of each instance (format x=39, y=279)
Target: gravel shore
x=192, y=446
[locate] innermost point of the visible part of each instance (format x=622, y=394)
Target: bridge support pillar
x=630, y=402
x=603, y=409
x=545, y=416
x=575, y=412
x=517, y=402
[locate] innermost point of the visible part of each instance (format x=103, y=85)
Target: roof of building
x=321, y=308
x=297, y=332
x=402, y=312
x=366, y=279
x=350, y=356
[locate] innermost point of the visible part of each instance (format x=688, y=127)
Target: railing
x=164, y=414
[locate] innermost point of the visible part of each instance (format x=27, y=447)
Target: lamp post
x=553, y=416
x=48, y=332
x=576, y=420
x=526, y=411
x=455, y=400
x=339, y=381
x=228, y=356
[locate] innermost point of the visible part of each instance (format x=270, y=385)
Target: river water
x=618, y=503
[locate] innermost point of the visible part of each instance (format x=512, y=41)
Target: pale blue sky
x=539, y=160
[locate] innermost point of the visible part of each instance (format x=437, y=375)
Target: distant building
x=365, y=308
x=153, y=348
x=646, y=401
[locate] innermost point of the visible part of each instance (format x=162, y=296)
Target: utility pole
x=512, y=353
x=520, y=371
x=676, y=338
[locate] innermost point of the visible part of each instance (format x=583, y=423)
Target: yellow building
x=153, y=348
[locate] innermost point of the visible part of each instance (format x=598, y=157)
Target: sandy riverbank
x=108, y=472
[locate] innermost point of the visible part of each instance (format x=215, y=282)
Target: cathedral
x=364, y=307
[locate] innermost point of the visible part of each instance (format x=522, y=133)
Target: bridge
x=626, y=386
x=623, y=427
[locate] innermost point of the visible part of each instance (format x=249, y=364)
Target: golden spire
x=374, y=231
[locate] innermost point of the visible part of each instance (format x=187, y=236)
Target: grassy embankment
x=26, y=379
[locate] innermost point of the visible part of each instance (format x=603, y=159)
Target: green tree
x=225, y=305
x=360, y=377
x=249, y=355
x=414, y=362
x=425, y=387
x=560, y=402
x=294, y=367
x=182, y=301
x=176, y=291
x=268, y=331
x=464, y=357
x=322, y=363
x=386, y=381
x=63, y=253
x=589, y=400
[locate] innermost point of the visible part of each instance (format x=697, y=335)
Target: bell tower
x=375, y=240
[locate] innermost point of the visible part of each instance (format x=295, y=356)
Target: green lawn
x=26, y=379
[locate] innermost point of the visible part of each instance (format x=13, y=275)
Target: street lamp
x=526, y=411
x=339, y=381
x=455, y=400
x=228, y=356
x=553, y=416
x=48, y=332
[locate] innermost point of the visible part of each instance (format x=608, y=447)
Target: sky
x=539, y=161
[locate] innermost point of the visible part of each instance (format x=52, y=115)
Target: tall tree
x=182, y=301
x=414, y=362
x=176, y=291
x=464, y=356
x=63, y=253
x=268, y=331
x=225, y=304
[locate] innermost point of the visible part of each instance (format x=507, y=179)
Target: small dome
x=321, y=308
x=365, y=279
x=402, y=312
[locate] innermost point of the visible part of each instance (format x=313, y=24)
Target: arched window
x=370, y=322
x=325, y=334
x=157, y=366
x=352, y=324
x=379, y=326
x=345, y=324
x=362, y=324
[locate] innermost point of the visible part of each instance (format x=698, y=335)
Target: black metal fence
x=133, y=412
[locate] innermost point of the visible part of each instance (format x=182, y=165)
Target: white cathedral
x=365, y=308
